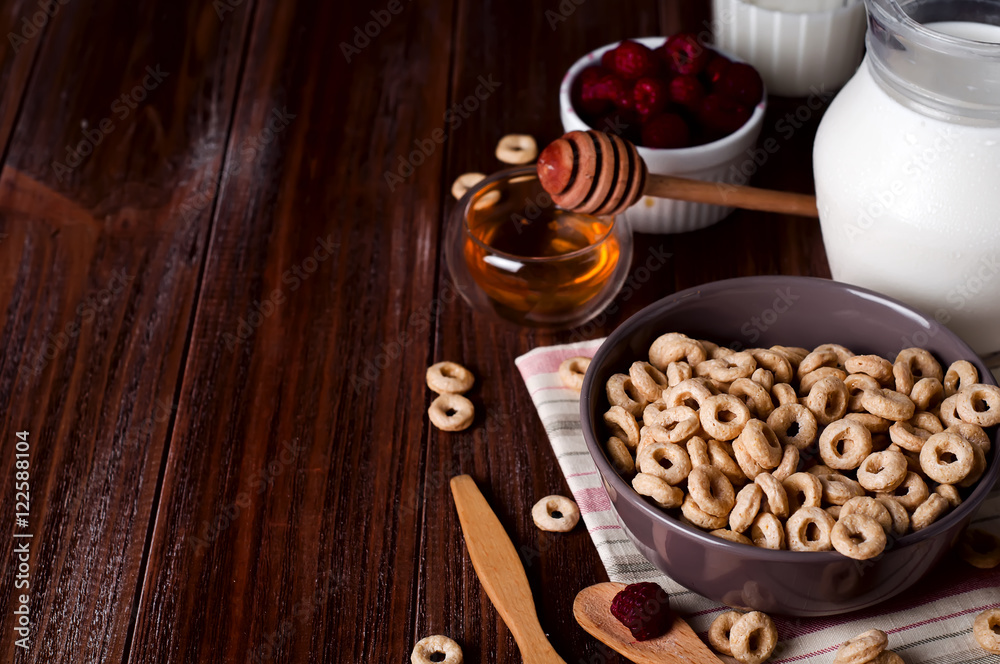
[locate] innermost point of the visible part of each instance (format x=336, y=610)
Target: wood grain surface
x=222, y=279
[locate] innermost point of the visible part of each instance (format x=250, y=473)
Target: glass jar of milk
x=907, y=164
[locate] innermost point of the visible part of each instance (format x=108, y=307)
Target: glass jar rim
x=892, y=12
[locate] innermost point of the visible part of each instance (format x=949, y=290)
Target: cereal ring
x=927, y=393
x=678, y=372
x=620, y=457
x=889, y=404
x=784, y=394
x=819, y=470
x=451, y=412
x=789, y=463
x=753, y=395
x=753, y=637
x=680, y=423
x=710, y=489
x=697, y=450
x=673, y=348
x=900, y=517
x=960, y=374
x=764, y=378
x=721, y=458
x=652, y=413
x=699, y=517
x=871, y=365
x=717, y=352
x=827, y=400
x=438, y=649
x=718, y=633
x=978, y=468
x=668, y=461
x=834, y=511
x=767, y=531
x=648, y=380
x=664, y=495
x=691, y=393
x=623, y=426
x=887, y=657
x=449, y=378
x=862, y=648
x=793, y=424
x=908, y=437
x=986, y=628
x=815, y=360
x=802, y=490
x=622, y=392
x=979, y=404
x=858, y=384
x=813, y=377
x=948, y=411
x=911, y=365
x=926, y=421
x=727, y=369
x=775, y=498
x=746, y=462
x=873, y=423
x=928, y=512
x=809, y=529
x=465, y=182
x=723, y=416
x=949, y=493
x=761, y=444
x=845, y=444
x=746, y=508
x=777, y=363
x=911, y=493
x=973, y=434
x=838, y=489
x=722, y=533
x=869, y=507
x=795, y=354
x=843, y=354
x=980, y=548
x=882, y=471
x=517, y=149
x=946, y=458
x=572, y=370
x=858, y=536
x=555, y=514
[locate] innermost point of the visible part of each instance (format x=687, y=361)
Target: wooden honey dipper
x=602, y=174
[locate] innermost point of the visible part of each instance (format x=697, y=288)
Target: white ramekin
x=798, y=53
x=718, y=161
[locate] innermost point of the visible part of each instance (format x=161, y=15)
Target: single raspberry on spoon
x=666, y=131
x=644, y=608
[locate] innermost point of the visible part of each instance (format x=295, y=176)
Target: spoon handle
x=730, y=195
x=501, y=572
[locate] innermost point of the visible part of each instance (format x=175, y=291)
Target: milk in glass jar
x=907, y=164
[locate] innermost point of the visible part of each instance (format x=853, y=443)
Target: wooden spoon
x=501, y=572
x=602, y=174
x=592, y=609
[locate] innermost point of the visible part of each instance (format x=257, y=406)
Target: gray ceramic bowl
x=764, y=311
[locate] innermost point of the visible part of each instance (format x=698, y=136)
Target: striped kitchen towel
x=929, y=624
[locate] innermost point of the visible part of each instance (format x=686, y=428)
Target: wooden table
x=216, y=312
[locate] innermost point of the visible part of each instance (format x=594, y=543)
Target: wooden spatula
x=501, y=572
x=592, y=609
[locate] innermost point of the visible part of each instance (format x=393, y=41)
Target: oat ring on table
x=449, y=378
x=858, y=384
x=723, y=416
x=572, y=371
x=862, y=648
x=869, y=507
x=908, y=437
x=802, y=490
x=451, y=412
x=699, y=517
x=465, y=182
x=718, y=633
x=720, y=457
x=889, y=404
x=775, y=498
x=517, y=149
x=668, y=461
x=858, y=536
x=948, y=411
x=775, y=362
x=678, y=372
x=556, y=514
x=761, y=443
x=972, y=433
x=671, y=347
x=757, y=399
x=911, y=492
x=746, y=508
x=784, y=394
x=877, y=367
x=623, y=426
x=882, y=471
x=809, y=529
x=947, y=458
x=900, y=517
x=621, y=392
x=649, y=380
x=727, y=369
x=986, y=629
x=789, y=463
x=664, y=495
x=447, y=650
x=691, y=393
x=979, y=404
x=827, y=400
x=960, y=374
x=767, y=531
x=753, y=637
x=928, y=511
x=711, y=490
x=980, y=548
x=927, y=393
x=845, y=444
x=793, y=424
x=620, y=457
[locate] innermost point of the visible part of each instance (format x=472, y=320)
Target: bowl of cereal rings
x=789, y=444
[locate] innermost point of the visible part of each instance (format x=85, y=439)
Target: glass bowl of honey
x=515, y=255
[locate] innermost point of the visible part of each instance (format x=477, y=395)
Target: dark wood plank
x=101, y=264
x=261, y=553
x=24, y=24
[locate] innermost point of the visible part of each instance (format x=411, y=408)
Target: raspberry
x=685, y=55
x=644, y=608
x=714, y=68
x=741, y=82
x=721, y=115
x=632, y=61
x=651, y=97
x=588, y=95
x=666, y=131
x=687, y=91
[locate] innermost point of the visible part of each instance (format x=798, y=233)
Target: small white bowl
x=718, y=161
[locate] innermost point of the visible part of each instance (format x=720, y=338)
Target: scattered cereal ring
x=789, y=463
x=858, y=536
x=775, y=498
x=908, y=437
x=517, y=149
x=911, y=365
x=721, y=457
x=960, y=374
x=718, y=633
x=746, y=508
x=986, y=628
x=555, y=514
x=882, y=471
x=793, y=424
x=845, y=444
x=729, y=368
x=816, y=360
x=449, y=378
x=750, y=468
x=827, y=400
x=668, y=461
x=753, y=637
x=451, y=412
x=621, y=392
x=928, y=512
x=722, y=533
x=757, y=399
x=802, y=490
x=678, y=372
x=664, y=495
x=765, y=379
x=979, y=404
x=649, y=380
x=623, y=426
x=911, y=493
x=767, y=531
x=697, y=450
x=723, y=416
x=699, y=517
x=873, y=423
x=784, y=394
x=620, y=457
x=838, y=489
x=813, y=377
x=900, y=517
x=465, y=182
x=679, y=422
x=887, y=657
x=927, y=393
x=927, y=421
x=809, y=529
x=948, y=411
x=889, y=404
x=691, y=393
x=711, y=490
x=862, y=648
x=761, y=443
x=869, y=507
x=777, y=363
x=858, y=384
x=843, y=353
x=980, y=548
x=973, y=434
x=871, y=365
x=436, y=649
x=949, y=493
x=670, y=347
x=795, y=354
x=947, y=458
x=572, y=370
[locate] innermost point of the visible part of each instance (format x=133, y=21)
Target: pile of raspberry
x=679, y=95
